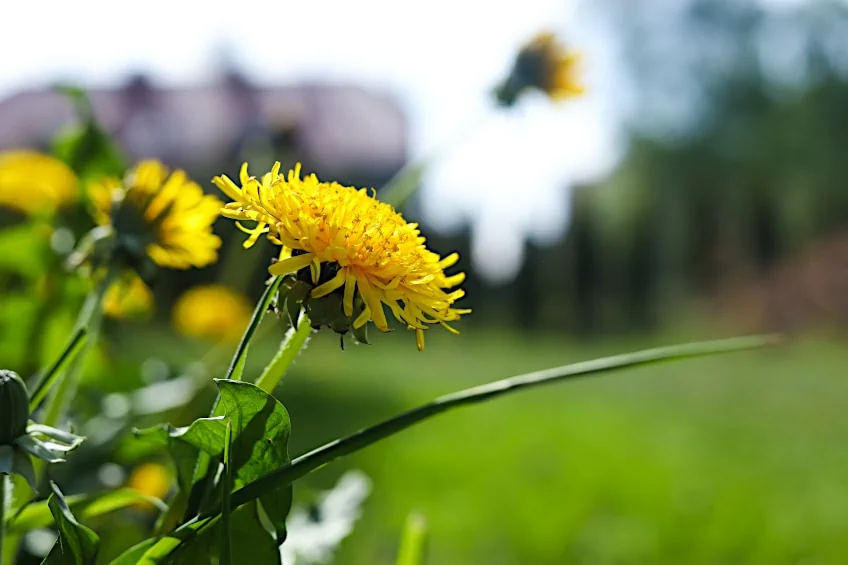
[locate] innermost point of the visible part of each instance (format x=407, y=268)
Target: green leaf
x=133, y=554
x=23, y=467
x=260, y=429
x=77, y=545
x=252, y=544
x=183, y=454
x=87, y=149
x=86, y=506
x=24, y=250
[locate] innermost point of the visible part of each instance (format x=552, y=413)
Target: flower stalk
x=294, y=341
x=90, y=318
x=4, y=482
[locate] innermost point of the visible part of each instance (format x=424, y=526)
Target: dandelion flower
x=348, y=245
x=167, y=217
x=127, y=298
x=150, y=479
x=543, y=64
x=31, y=182
x=212, y=312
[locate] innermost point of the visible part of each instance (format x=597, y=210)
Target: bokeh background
x=698, y=189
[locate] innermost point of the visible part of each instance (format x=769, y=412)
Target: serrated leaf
x=77, y=544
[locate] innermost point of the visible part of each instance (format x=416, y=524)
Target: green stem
x=407, y=180
x=4, y=480
x=48, y=378
x=413, y=542
x=291, y=345
x=90, y=317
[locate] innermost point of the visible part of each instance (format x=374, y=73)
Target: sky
x=507, y=173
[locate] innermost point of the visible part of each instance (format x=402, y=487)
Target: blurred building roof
x=340, y=131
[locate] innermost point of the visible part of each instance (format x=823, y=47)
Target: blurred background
x=697, y=189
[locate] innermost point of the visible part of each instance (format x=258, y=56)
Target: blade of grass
x=413, y=542
x=311, y=461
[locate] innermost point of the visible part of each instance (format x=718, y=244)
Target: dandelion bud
x=14, y=407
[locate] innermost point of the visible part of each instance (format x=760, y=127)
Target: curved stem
x=292, y=344
x=319, y=457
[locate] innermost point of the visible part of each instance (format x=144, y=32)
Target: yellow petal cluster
x=150, y=479
x=31, y=182
x=545, y=64
x=173, y=211
x=377, y=253
x=212, y=312
x=129, y=297
x=559, y=67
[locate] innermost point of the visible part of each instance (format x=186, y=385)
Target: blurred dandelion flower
x=213, y=312
x=128, y=297
x=150, y=479
x=31, y=182
x=349, y=246
x=543, y=64
x=167, y=217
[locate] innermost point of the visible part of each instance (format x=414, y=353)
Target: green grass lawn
x=734, y=459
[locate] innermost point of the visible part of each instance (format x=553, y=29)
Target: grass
x=737, y=459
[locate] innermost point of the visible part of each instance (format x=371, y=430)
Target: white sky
x=440, y=58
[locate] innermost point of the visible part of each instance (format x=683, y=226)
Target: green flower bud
x=14, y=407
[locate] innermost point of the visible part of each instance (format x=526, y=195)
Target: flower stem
x=408, y=179
x=4, y=484
x=90, y=317
x=291, y=345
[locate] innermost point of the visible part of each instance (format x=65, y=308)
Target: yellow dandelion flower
x=212, y=312
x=168, y=217
x=127, y=298
x=31, y=182
x=150, y=479
x=544, y=64
x=349, y=245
